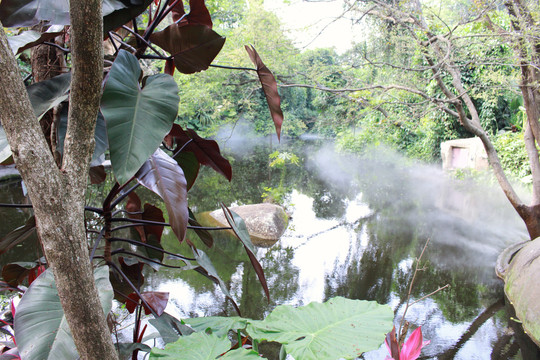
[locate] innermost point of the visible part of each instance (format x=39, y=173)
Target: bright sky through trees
x=316, y=23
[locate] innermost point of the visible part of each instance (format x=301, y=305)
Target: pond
x=356, y=227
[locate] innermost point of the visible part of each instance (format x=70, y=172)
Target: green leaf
x=46, y=94
x=41, y=330
x=339, y=328
x=242, y=353
x=31, y=38
x=138, y=118
x=161, y=174
x=239, y=228
x=197, y=346
x=219, y=325
x=170, y=328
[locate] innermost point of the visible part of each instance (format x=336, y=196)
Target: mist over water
x=468, y=217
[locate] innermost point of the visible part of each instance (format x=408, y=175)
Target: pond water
x=357, y=225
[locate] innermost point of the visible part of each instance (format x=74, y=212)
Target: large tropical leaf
x=206, y=151
x=198, y=13
x=121, y=16
x=30, y=38
x=218, y=325
x=170, y=328
x=269, y=87
x=41, y=330
x=201, y=346
x=18, y=235
x=161, y=174
x=138, y=118
x=239, y=228
x=339, y=328
x=20, y=13
x=5, y=149
x=45, y=95
x=193, y=47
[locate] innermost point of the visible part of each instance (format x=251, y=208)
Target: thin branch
x=232, y=67
x=139, y=243
x=122, y=251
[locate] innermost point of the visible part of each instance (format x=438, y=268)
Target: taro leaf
x=190, y=165
x=41, y=330
x=206, y=151
x=204, y=235
x=31, y=38
x=339, y=328
x=46, y=94
x=219, y=325
x=161, y=174
x=155, y=299
x=100, y=137
x=18, y=235
x=137, y=118
x=197, y=346
x=15, y=273
x=170, y=328
x=193, y=47
x=239, y=228
x=5, y=149
x=122, y=16
x=125, y=350
x=269, y=87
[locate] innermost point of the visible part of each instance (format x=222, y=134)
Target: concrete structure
x=464, y=154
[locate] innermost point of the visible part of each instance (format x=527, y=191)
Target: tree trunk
x=58, y=195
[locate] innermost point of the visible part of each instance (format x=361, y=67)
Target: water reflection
x=356, y=227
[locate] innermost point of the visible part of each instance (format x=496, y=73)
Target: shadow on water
x=356, y=227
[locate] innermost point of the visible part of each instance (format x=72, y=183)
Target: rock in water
x=265, y=222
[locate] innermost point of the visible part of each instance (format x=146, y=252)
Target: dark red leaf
x=199, y=14
x=192, y=47
x=153, y=213
x=120, y=286
x=97, y=174
x=14, y=274
x=162, y=175
x=189, y=163
x=269, y=87
x=133, y=207
x=206, y=151
x=155, y=299
x=178, y=11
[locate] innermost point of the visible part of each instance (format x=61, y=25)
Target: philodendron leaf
x=31, y=38
x=170, y=328
x=18, y=235
x=137, y=118
x=339, y=328
x=201, y=346
x=161, y=174
x=219, y=325
x=269, y=87
x=46, y=94
x=41, y=330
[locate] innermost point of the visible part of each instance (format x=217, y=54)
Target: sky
x=316, y=23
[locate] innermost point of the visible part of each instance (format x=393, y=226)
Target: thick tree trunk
x=58, y=195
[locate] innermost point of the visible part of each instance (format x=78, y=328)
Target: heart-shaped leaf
x=201, y=346
x=156, y=299
x=41, y=329
x=239, y=228
x=198, y=14
x=193, y=47
x=137, y=118
x=219, y=325
x=161, y=174
x=269, y=87
x=339, y=328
